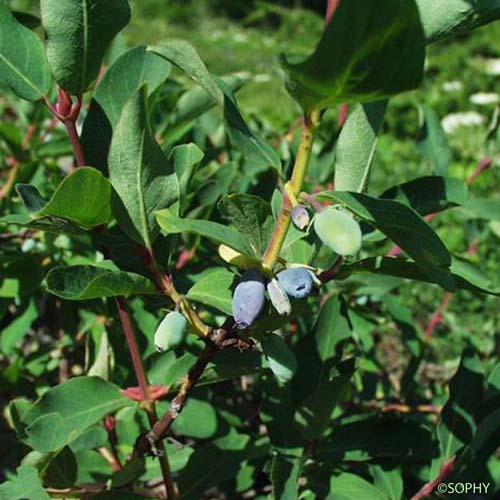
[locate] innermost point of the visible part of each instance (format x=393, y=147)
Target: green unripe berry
x=170, y=332
x=338, y=230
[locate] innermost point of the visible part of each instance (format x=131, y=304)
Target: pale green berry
x=170, y=332
x=338, y=230
x=279, y=299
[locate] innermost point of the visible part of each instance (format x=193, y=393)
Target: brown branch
x=330, y=274
x=446, y=470
x=148, y=442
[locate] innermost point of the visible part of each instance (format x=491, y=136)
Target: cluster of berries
x=335, y=227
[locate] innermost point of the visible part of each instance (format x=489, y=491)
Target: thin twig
x=446, y=470
x=147, y=442
x=331, y=273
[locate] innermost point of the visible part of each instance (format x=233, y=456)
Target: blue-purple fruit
x=248, y=299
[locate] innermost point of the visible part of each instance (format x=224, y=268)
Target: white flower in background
x=492, y=67
x=456, y=120
x=484, y=98
x=453, y=86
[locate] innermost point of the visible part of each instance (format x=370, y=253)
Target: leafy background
x=389, y=317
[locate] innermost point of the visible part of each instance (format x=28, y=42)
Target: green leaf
x=89, y=282
x=465, y=275
x=214, y=289
x=351, y=487
x=444, y=18
x=83, y=198
x=185, y=158
x=142, y=178
x=433, y=143
x=457, y=425
x=211, y=464
x=194, y=103
x=64, y=412
x=170, y=223
x=366, y=440
x=388, y=482
x=429, y=194
x=24, y=485
x=126, y=76
x=197, y=420
x=321, y=380
x=482, y=208
x=184, y=56
x=404, y=227
x=13, y=333
x=251, y=216
x=369, y=51
x=356, y=146
x=79, y=32
x=285, y=475
x=20, y=277
x=63, y=470
x=23, y=66
x=281, y=359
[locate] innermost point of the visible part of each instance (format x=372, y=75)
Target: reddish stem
x=446, y=470
x=344, y=108
x=330, y=10
x=75, y=141
x=437, y=317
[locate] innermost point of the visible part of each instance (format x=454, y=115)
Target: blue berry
x=296, y=281
x=248, y=299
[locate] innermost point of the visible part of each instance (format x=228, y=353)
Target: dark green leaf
x=457, y=425
x=64, y=412
x=79, y=32
x=356, y=146
x=83, y=198
x=433, y=143
x=170, y=223
x=211, y=464
x=143, y=179
x=251, y=216
x=465, y=275
x=368, y=51
x=429, y=194
x=405, y=228
x=128, y=73
x=23, y=66
x=20, y=277
x=89, y=282
x=63, y=470
x=366, y=440
x=285, y=474
x=29, y=20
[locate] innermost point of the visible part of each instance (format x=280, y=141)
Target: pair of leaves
x=184, y=56
x=83, y=198
x=127, y=74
